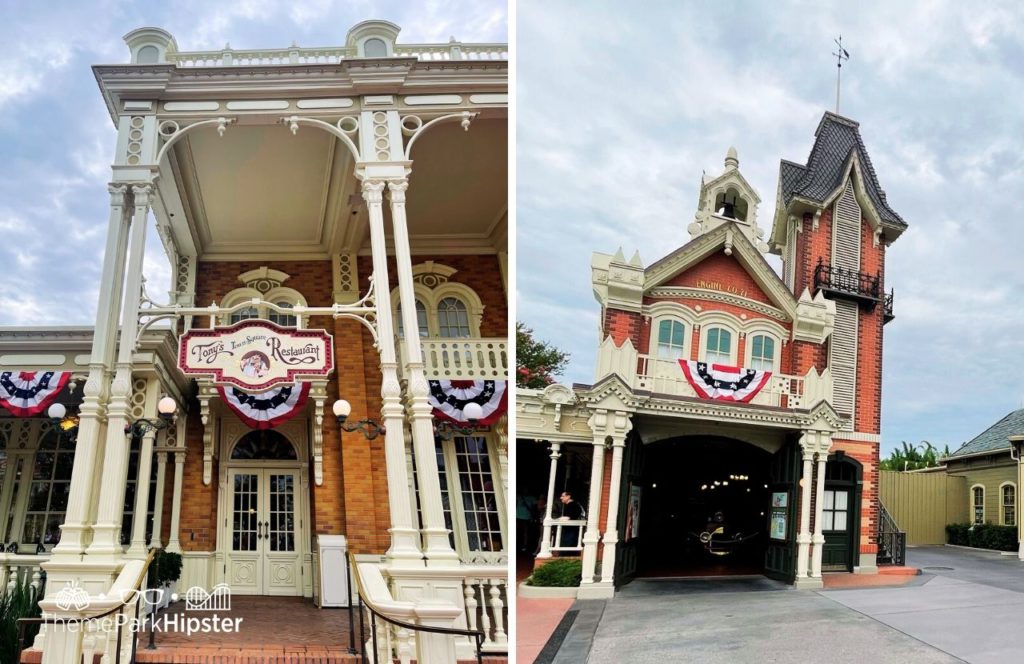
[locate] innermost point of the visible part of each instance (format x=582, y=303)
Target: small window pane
x=719, y=346
x=244, y=314
x=670, y=339
x=421, y=320
x=839, y=522
x=285, y=320
x=830, y=497
x=841, y=498
x=452, y=319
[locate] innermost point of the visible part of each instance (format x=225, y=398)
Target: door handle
x=259, y=533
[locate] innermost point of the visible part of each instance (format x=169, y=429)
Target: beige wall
x=990, y=472
x=923, y=503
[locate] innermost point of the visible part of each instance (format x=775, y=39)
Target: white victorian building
x=335, y=196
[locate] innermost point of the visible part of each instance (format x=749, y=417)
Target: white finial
x=732, y=160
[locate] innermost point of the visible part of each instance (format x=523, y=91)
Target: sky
x=621, y=110
x=57, y=140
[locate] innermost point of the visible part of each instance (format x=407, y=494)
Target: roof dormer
x=150, y=46
x=728, y=198
x=373, y=39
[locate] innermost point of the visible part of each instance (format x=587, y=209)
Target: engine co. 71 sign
x=256, y=355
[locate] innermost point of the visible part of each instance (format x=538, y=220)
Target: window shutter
x=842, y=357
x=846, y=222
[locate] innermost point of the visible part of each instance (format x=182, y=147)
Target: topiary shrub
x=982, y=536
x=562, y=573
x=169, y=570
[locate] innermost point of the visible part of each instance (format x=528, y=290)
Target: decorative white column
x=158, y=502
x=803, y=539
x=105, y=542
x=593, y=532
x=437, y=546
x=611, y=533
x=405, y=550
x=173, y=542
x=138, y=545
x=88, y=446
x=819, y=504
x=545, y=543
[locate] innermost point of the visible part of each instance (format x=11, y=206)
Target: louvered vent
x=842, y=357
x=790, y=267
x=846, y=231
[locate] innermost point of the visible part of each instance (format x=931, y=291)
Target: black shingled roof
x=996, y=437
x=836, y=138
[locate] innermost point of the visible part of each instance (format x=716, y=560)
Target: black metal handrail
x=375, y=612
x=841, y=280
x=887, y=305
x=892, y=542
x=24, y=622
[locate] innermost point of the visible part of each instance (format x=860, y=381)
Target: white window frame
x=1002, y=504
x=454, y=489
x=273, y=296
x=432, y=297
x=972, y=505
x=748, y=360
x=655, y=345
x=734, y=340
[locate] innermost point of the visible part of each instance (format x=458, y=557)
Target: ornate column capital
x=142, y=193
x=117, y=191
x=397, y=189
x=373, y=190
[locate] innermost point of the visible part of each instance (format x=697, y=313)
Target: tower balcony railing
x=295, y=55
x=664, y=376
x=463, y=359
x=861, y=287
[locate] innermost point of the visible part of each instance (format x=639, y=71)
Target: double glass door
x=265, y=530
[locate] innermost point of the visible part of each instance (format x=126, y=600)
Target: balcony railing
x=296, y=55
x=562, y=535
x=888, y=312
x=464, y=359
x=663, y=376
x=849, y=283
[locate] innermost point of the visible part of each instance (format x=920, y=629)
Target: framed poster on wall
x=778, y=519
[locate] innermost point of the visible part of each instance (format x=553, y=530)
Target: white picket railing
x=485, y=588
x=296, y=55
x=20, y=568
x=562, y=536
x=464, y=359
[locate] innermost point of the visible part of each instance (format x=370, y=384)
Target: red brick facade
x=353, y=498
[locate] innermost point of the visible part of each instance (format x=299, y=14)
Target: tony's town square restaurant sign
x=256, y=354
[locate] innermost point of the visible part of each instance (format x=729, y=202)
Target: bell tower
x=728, y=197
x=832, y=227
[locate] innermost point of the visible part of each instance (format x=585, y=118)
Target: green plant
x=169, y=568
x=562, y=573
x=19, y=602
x=982, y=536
x=958, y=534
x=538, y=361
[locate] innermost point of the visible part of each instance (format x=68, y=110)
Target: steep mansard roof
x=835, y=140
x=996, y=437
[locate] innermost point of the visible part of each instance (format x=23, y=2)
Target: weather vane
x=840, y=55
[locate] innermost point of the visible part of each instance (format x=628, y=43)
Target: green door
x=841, y=513
x=780, y=557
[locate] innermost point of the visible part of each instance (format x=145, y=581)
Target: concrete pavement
x=964, y=608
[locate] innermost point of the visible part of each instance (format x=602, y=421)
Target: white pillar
x=405, y=550
x=437, y=546
x=138, y=546
x=115, y=460
x=173, y=542
x=593, y=532
x=611, y=533
x=88, y=446
x=545, y=543
x=158, y=502
x=819, y=505
x=803, y=539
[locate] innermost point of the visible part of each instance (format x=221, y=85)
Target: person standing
x=571, y=511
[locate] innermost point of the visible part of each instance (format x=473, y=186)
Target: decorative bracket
x=318, y=392
x=206, y=392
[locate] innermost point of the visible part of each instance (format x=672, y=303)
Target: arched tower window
x=730, y=204
x=718, y=346
x=263, y=444
x=671, y=339
x=453, y=319
x=762, y=353
x=375, y=48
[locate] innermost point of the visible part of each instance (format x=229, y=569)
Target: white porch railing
x=296, y=55
x=464, y=359
x=666, y=377
x=20, y=568
x=485, y=589
x=562, y=535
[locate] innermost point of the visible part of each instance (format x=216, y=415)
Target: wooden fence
x=923, y=503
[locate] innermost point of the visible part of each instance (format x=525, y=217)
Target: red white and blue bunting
x=449, y=397
x=266, y=410
x=724, y=383
x=28, y=393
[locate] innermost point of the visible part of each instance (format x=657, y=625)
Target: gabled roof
x=837, y=140
x=995, y=438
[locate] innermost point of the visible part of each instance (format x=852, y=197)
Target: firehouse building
x=733, y=425
x=336, y=223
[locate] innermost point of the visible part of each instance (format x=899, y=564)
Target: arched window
x=718, y=347
x=762, y=353
x=421, y=319
x=1009, y=505
x=671, y=339
x=375, y=48
x=48, y=493
x=244, y=314
x=286, y=320
x=978, y=503
x=264, y=444
x=453, y=319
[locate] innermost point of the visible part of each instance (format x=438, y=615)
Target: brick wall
x=723, y=271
